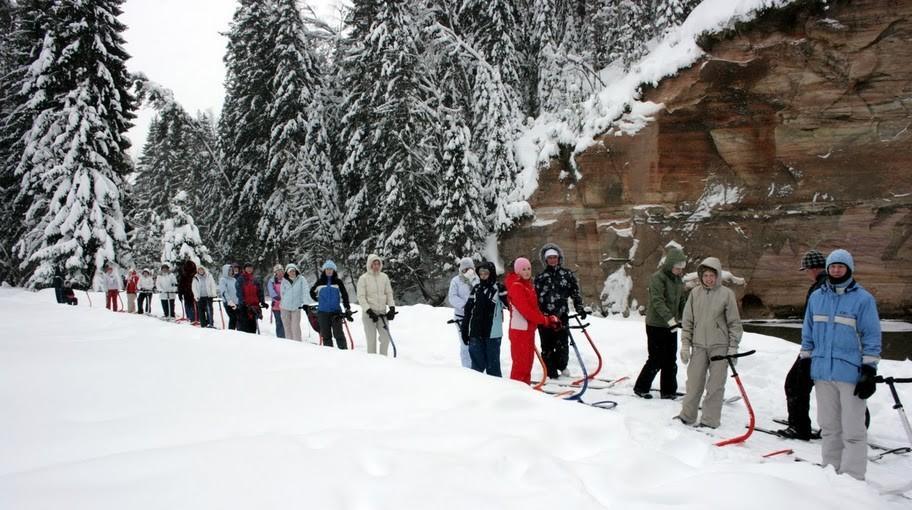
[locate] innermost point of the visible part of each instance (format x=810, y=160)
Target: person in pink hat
x=524, y=318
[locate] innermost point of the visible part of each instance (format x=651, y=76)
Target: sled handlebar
x=580, y=326
x=892, y=380
x=731, y=356
x=454, y=321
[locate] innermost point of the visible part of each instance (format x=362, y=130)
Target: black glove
x=583, y=315
x=465, y=339
x=348, y=316
x=391, y=313
x=372, y=314
x=264, y=305
x=866, y=384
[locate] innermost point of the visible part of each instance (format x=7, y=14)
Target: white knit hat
x=551, y=252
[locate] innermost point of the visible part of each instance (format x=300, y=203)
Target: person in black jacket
x=798, y=383
x=554, y=286
x=482, y=321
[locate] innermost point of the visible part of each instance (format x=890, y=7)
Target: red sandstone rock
x=802, y=120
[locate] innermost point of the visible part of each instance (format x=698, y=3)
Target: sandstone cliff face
x=793, y=133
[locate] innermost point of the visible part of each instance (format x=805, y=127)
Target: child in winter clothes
x=482, y=322
x=275, y=294
x=375, y=295
x=112, y=288
x=228, y=293
x=166, y=284
x=524, y=318
x=204, y=290
x=146, y=285
x=132, y=287
x=292, y=300
x=330, y=294
x=460, y=289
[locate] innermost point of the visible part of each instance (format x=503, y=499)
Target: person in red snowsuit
x=525, y=317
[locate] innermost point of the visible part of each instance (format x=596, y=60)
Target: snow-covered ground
x=107, y=410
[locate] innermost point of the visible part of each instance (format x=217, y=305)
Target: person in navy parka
x=482, y=323
x=331, y=297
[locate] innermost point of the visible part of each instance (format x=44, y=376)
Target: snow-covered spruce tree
x=208, y=184
x=180, y=238
x=75, y=155
x=244, y=126
x=461, y=224
x=319, y=186
x=388, y=142
x=22, y=33
x=671, y=13
x=632, y=31
x=404, y=222
x=293, y=89
x=358, y=67
x=493, y=130
x=493, y=28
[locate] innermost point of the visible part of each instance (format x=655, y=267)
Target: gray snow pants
x=371, y=331
x=841, y=416
x=696, y=382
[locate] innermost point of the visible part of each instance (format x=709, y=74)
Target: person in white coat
x=293, y=291
x=204, y=290
x=375, y=295
x=146, y=285
x=112, y=288
x=166, y=284
x=460, y=290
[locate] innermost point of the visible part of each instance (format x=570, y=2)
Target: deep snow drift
x=108, y=410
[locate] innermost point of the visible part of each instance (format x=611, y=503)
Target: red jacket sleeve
x=525, y=302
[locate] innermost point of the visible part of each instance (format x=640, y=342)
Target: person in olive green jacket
x=711, y=327
x=663, y=315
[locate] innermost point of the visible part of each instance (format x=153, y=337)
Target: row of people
x=243, y=295
x=840, y=336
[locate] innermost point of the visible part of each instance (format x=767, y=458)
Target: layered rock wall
x=793, y=132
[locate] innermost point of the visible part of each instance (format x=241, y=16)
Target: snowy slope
x=107, y=410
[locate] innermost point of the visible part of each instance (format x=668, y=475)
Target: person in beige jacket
x=711, y=327
x=375, y=294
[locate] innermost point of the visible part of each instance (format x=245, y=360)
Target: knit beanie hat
x=328, y=265
x=520, y=264
x=466, y=263
x=278, y=267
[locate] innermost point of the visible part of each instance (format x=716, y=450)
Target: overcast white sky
x=178, y=43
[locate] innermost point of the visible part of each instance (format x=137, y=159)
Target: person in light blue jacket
x=841, y=340
x=460, y=289
x=227, y=292
x=293, y=292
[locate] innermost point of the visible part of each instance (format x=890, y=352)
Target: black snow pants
x=662, y=345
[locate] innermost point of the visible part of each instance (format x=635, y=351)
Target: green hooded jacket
x=666, y=293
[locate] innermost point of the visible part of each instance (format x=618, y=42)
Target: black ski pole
x=388, y=334
x=897, y=404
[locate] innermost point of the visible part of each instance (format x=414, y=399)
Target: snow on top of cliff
x=616, y=108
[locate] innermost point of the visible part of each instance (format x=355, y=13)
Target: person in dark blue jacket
x=482, y=323
x=331, y=297
x=841, y=340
